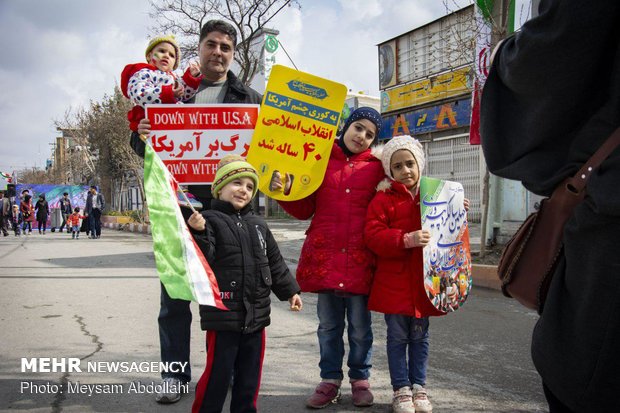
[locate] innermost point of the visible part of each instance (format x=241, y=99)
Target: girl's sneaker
x=324, y=394
x=402, y=401
x=361, y=394
x=420, y=400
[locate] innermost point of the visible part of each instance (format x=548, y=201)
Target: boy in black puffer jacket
x=248, y=265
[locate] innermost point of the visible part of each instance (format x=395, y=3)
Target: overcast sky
x=62, y=54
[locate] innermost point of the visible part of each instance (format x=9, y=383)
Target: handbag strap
x=579, y=180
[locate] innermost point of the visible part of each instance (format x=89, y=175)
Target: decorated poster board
x=295, y=132
x=447, y=258
x=191, y=139
x=53, y=195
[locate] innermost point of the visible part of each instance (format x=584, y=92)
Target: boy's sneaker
x=360, y=390
x=324, y=394
x=170, y=391
x=402, y=401
x=420, y=399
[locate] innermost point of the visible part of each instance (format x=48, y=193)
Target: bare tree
x=34, y=176
x=109, y=134
x=99, y=152
x=184, y=18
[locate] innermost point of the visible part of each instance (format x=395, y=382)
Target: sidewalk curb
x=486, y=276
x=131, y=227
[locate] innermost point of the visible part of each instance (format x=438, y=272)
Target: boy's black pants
x=227, y=353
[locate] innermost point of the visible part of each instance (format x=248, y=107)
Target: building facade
x=426, y=80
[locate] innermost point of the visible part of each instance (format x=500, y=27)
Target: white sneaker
x=402, y=401
x=420, y=400
x=170, y=391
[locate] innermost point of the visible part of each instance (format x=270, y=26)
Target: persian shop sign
x=427, y=90
x=446, y=116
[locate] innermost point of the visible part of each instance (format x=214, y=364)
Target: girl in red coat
x=334, y=261
x=393, y=232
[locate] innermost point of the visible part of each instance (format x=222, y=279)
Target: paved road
x=98, y=300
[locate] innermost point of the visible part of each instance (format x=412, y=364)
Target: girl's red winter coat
x=334, y=257
x=398, y=285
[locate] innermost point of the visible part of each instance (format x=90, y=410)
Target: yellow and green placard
x=295, y=131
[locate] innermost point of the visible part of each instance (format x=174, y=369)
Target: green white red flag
x=6, y=176
x=182, y=267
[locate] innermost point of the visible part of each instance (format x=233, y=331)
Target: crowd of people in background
x=19, y=214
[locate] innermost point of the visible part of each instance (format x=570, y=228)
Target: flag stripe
x=182, y=268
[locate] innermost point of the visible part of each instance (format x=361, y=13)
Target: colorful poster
x=53, y=194
x=191, y=139
x=295, y=131
x=447, y=259
x=444, y=86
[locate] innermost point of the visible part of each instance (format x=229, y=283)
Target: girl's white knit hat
x=402, y=142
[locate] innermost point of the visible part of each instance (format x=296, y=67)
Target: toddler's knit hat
x=230, y=168
x=402, y=142
x=161, y=39
x=364, y=113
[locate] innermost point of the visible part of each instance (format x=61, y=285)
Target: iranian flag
x=6, y=176
x=483, y=11
x=181, y=266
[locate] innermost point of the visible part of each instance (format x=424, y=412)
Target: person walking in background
x=334, y=261
x=27, y=210
x=5, y=212
x=95, y=204
x=42, y=211
x=538, y=131
x=74, y=222
x=216, y=49
x=16, y=220
x=65, y=210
